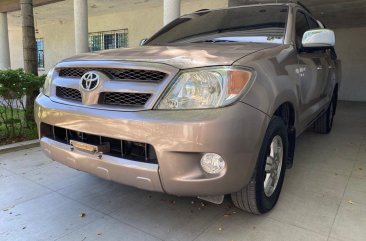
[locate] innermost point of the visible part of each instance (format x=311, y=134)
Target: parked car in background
x=208, y=106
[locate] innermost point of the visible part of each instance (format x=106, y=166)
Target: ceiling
x=14, y=5
x=333, y=13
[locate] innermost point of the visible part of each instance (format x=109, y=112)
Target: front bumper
x=180, y=138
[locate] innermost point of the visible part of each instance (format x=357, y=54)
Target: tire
x=324, y=124
x=255, y=198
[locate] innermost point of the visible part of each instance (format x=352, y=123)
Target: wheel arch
x=286, y=111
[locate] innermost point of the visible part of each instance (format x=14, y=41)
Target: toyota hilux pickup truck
x=211, y=105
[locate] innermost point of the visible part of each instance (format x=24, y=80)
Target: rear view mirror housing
x=318, y=38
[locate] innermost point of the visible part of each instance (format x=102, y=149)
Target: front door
x=312, y=71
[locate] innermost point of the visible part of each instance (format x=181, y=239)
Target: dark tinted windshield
x=260, y=24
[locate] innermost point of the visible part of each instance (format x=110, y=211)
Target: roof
x=14, y=5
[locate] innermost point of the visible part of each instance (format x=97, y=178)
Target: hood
x=179, y=56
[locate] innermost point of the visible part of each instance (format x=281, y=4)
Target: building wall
x=351, y=50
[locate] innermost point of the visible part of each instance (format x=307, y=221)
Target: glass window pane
x=108, y=40
x=301, y=27
x=95, y=42
x=40, y=53
x=242, y=24
x=313, y=23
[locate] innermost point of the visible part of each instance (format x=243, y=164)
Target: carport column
x=81, y=26
x=171, y=10
x=4, y=42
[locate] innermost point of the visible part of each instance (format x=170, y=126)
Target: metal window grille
x=108, y=40
x=40, y=53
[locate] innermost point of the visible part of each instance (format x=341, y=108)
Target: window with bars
x=108, y=40
x=40, y=53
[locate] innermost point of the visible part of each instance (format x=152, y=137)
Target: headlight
x=206, y=88
x=47, y=83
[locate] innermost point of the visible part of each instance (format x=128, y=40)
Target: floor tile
x=108, y=229
x=350, y=222
x=55, y=175
x=5, y=173
x=44, y=218
x=24, y=161
x=356, y=191
x=100, y=194
x=313, y=180
x=361, y=156
x=16, y=189
x=308, y=210
x=168, y=217
x=359, y=170
x=245, y=227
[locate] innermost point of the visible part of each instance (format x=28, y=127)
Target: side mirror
x=318, y=38
x=143, y=41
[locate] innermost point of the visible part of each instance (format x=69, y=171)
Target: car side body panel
x=276, y=81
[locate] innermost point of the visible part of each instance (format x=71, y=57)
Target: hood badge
x=90, y=81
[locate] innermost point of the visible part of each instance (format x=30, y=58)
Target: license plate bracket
x=102, y=148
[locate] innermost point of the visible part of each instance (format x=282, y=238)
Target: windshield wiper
x=215, y=41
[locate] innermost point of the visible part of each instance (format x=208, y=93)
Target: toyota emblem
x=89, y=81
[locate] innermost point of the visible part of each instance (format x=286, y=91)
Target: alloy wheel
x=273, y=166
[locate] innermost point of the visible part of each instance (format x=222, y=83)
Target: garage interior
x=323, y=198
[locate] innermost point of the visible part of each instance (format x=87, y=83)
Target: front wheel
x=263, y=191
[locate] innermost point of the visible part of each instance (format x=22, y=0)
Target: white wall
x=351, y=50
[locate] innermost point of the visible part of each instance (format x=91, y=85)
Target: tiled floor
x=323, y=198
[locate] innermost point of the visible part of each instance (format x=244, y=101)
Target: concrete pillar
x=171, y=10
x=81, y=26
x=4, y=42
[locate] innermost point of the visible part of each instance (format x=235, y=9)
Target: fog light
x=212, y=163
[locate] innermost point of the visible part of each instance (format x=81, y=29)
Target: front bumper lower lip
x=137, y=174
x=180, y=138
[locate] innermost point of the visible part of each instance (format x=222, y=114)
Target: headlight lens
x=47, y=83
x=206, y=88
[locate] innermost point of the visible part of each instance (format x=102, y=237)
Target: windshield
x=258, y=24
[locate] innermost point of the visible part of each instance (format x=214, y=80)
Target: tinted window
x=313, y=24
x=301, y=27
x=245, y=24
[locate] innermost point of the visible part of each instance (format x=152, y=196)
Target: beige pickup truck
x=210, y=105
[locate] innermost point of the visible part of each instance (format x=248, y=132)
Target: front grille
x=134, y=151
x=116, y=74
x=123, y=99
x=68, y=93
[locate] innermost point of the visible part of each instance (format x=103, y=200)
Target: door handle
x=319, y=67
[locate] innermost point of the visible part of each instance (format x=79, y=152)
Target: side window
x=108, y=40
x=40, y=53
x=313, y=24
x=301, y=27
